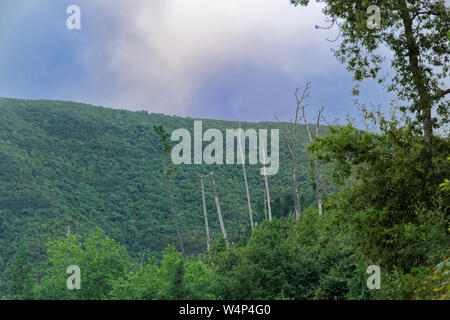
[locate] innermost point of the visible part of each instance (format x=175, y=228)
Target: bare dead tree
x=320, y=184
x=319, y=180
x=245, y=177
x=291, y=144
x=265, y=205
x=269, y=209
x=205, y=214
x=266, y=184
x=219, y=212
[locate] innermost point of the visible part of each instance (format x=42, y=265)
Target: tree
x=177, y=288
x=265, y=205
x=287, y=260
x=266, y=185
x=319, y=180
x=385, y=197
x=205, y=215
x=291, y=143
x=101, y=261
x=415, y=32
x=172, y=278
x=241, y=152
x=169, y=174
x=20, y=276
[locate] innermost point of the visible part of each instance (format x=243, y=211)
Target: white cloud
x=160, y=52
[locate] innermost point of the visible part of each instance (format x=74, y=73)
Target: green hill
x=70, y=166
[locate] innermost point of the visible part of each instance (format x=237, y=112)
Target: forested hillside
x=82, y=185
x=92, y=206
x=68, y=167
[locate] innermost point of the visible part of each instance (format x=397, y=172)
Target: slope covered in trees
x=67, y=168
x=81, y=185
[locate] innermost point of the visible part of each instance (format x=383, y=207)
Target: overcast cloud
x=229, y=59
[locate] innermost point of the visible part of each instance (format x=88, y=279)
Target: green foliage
x=441, y=277
x=100, y=259
x=398, y=285
x=416, y=35
x=446, y=184
x=392, y=202
x=427, y=283
x=65, y=164
x=175, y=278
x=289, y=260
x=19, y=275
x=164, y=140
x=391, y=199
x=143, y=284
x=389, y=211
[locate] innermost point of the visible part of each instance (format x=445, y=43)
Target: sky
x=220, y=59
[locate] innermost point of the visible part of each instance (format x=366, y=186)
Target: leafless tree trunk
x=291, y=144
x=265, y=205
x=245, y=179
x=266, y=183
x=208, y=241
x=219, y=212
x=269, y=209
x=320, y=184
x=298, y=208
x=319, y=180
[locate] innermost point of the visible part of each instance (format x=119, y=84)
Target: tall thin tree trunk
x=319, y=188
x=298, y=208
x=265, y=205
x=320, y=185
x=172, y=209
x=266, y=183
x=269, y=209
x=219, y=212
x=319, y=180
x=245, y=179
x=208, y=241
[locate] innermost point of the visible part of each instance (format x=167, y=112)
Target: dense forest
x=95, y=188
x=82, y=185
x=73, y=167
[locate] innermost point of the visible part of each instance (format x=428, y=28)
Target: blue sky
x=222, y=59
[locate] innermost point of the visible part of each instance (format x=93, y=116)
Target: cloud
x=160, y=53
